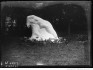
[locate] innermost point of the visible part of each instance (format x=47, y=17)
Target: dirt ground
x=18, y=52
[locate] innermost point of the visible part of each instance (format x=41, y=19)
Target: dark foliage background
x=66, y=19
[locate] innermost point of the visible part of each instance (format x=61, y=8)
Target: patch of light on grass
x=39, y=63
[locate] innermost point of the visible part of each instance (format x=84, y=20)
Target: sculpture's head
x=31, y=20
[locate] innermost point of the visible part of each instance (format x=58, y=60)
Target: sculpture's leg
x=49, y=28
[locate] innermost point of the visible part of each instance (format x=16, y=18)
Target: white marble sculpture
x=41, y=29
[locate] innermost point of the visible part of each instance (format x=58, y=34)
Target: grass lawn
x=17, y=51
